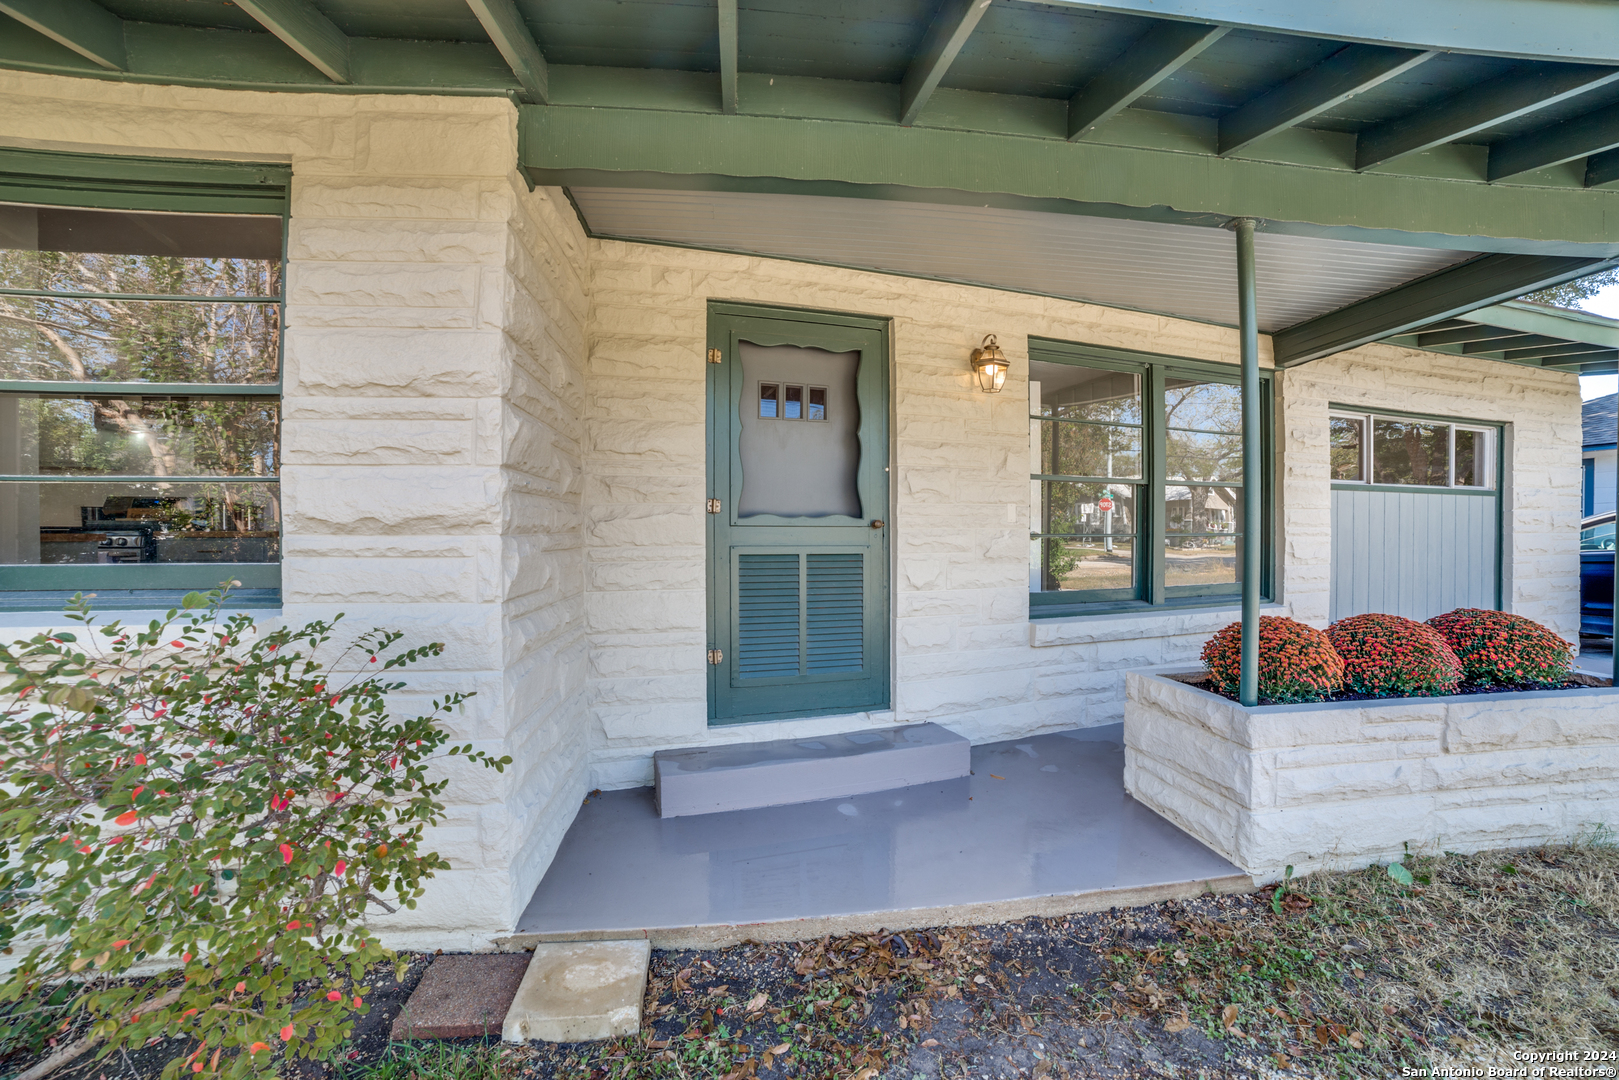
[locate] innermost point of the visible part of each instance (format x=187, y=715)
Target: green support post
x=1613, y=629
x=1252, y=462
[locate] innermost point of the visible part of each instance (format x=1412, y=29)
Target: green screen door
x=798, y=502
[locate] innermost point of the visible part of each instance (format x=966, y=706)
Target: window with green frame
x=140, y=376
x=1136, y=486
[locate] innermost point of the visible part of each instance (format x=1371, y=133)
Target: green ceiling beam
x=510, y=34
x=1602, y=168
x=1154, y=57
x=1548, y=322
x=1463, y=335
x=1559, y=353
x=943, y=42
x=1580, y=137
x=1441, y=295
x=1347, y=72
x=85, y=27
x=1568, y=30
x=728, y=50
x=1475, y=109
x=1599, y=369
x=306, y=32
x=629, y=147
x=1512, y=342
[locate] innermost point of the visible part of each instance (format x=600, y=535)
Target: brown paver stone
x=462, y=996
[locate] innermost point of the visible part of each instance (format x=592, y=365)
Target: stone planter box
x=1341, y=785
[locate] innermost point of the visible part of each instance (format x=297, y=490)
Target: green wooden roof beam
x=1568, y=30
x=1462, y=335
x=85, y=27
x=1154, y=57
x=940, y=46
x=729, y=102
x=1599, y=369
x=1602, y=168
x=1510, y=342
x=1475, y=109
x=1558, y=353
x=1552, y=322
x=1442, y=295
x=1347, y=72
x=306, y=31
x=1593, y=133
x=510, y=34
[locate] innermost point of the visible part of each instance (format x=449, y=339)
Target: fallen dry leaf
x=1176, y=1024
x=930, y=1042
x=758, y=1002
x=994, y=777
x=1228, y=1016
x=1357, y=1040
x=781, y=1049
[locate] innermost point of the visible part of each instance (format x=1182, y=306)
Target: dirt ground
x=1338, y=975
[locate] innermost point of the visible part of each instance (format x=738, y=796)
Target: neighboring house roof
x=1597, y=418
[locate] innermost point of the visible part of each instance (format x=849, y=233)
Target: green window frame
x=97, y=182
x=1151, y=531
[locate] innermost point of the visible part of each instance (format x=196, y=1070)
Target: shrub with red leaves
x=1296, y=662
x=1498, y=649
x=1387, y=656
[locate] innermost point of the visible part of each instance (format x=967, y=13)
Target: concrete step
x=714, y=779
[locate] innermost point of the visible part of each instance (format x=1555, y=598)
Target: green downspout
x=1252, y=462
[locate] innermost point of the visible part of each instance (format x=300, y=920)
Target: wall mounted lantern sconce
x=990, y=364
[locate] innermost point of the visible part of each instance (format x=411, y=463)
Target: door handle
x=878, y=523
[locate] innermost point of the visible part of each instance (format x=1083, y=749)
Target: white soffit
x=1179, y=270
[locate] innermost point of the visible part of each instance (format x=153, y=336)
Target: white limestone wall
x=966, y=654
x=1541, y=487
x=436, y=319
x=1341, y=785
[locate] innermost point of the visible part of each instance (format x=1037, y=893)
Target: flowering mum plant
x=1498, y=649
x=202, y=795
x=1387, y=656
x=1296, y=662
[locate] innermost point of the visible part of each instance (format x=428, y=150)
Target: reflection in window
x=1407, y=452
x=1472, y=464
x=817, y=403
x=1348, y=441
x=792, y=403
x=769, y=400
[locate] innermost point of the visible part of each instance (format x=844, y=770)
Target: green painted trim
x=1442, y=295
x=1187, y=602
x=86, y=576
x=1084, y=599
x=1351, y=70
x=573, y=146
x=307, y=32
x=1592, y=133
x=1547, y=322
x=1476, y=109
x=100, y=181
x=1413, y=489
x=1404, y=414
x=1527, y=29
x=133, y=600
x=1115, y=358
x=510, y=34
x=85, y=27
x=728, y=59
x=140, y=389
x=940, y=46
x=1164, y=49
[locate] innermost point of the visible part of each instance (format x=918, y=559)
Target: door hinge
x=715, y=656
x=713, y=506
x=714, y=356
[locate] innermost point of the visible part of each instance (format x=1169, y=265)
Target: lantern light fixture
x=991, y=365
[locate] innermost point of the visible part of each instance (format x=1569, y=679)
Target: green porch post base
x=1252, y=462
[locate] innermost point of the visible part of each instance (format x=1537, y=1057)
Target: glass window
x=1092, y=536
x=1472, y=458
x=176, y=304
x=1348, y=445
x=1409, y=452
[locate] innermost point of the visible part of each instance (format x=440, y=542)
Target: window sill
x=1169, y=621
x=28, y=604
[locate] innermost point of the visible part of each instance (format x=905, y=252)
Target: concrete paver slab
x=575, y=991
x=462, y=997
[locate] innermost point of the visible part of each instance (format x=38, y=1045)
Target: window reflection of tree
x=1193, y=412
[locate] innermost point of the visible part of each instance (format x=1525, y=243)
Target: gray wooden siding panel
x=1411, y=553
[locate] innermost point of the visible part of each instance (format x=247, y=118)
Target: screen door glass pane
x=790, y=467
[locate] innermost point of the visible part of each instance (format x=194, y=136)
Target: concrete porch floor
x=1042, y=827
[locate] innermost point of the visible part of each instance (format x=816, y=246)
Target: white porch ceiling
x=1178, y=270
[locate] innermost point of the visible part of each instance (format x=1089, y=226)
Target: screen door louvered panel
x=800, y=614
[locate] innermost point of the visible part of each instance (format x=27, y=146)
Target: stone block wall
x=1341, y=785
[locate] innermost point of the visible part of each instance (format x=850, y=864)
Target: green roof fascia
x=625, y=147
x=1579, y=326
x=1573, y=30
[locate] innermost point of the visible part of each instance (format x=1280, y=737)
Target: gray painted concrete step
x=714, y=779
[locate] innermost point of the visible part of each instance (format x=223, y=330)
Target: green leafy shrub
x=1296, y=662
x=1387, y=656
x=1498, y=649
x=203, y=794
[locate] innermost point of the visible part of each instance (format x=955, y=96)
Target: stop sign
x=1105, y=505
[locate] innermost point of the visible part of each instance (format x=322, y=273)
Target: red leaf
x=127, y=818
x=334, y=996
x=286, y=853
x=287, y=1033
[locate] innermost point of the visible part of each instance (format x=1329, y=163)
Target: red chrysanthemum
x=1498, y=649
x=1387, y=656
x=1296, y=662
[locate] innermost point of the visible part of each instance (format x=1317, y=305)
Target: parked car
x=1596, y=575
